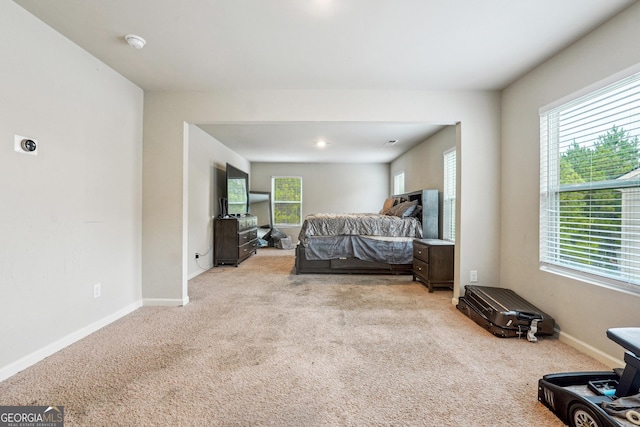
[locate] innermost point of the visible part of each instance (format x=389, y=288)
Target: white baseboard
x=38, y=355
x=196, y=274
x=591, y=351
x=165, y=302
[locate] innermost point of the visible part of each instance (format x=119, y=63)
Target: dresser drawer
x=421, y=252
x=247, y=249
x=247, y=236
x=247, y=222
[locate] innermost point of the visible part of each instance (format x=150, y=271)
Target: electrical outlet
x=473, y=276
x=96, y=290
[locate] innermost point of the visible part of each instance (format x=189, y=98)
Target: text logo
x=31, y=416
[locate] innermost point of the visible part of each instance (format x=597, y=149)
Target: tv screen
x=237, y=191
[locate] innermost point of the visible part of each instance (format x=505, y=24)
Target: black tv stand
x=234, y=239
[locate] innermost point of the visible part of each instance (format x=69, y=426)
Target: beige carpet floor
x=259, y=345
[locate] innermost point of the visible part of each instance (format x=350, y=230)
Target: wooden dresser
x=433, y=262
x=234, y=239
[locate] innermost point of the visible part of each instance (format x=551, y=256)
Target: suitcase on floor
x=504, y=313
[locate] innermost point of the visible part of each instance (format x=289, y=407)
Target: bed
x=368, y=243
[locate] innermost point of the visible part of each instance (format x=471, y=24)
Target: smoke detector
x=135, y=41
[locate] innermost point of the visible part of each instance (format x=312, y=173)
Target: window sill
x=592, y=279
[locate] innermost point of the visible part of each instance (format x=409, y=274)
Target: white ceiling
x=205, y=45
x=352, y=142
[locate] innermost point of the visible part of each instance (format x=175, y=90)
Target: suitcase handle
x=528, y=316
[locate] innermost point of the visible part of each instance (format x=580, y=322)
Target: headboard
x=430, y=216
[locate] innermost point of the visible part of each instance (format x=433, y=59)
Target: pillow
x=404, y=209
x=392, y=211
x=388, y=204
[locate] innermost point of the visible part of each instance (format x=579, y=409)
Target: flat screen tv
x=237, y=191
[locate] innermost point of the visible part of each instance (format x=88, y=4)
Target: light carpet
x=259, y=345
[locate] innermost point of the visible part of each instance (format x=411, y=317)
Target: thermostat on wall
x=26, y=145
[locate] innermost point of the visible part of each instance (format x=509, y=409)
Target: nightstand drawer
x=421, y=252
x=421, y=269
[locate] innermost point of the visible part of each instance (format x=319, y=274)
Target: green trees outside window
x=590, y=199
x=287, y=200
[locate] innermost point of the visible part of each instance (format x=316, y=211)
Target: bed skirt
x=346, y=266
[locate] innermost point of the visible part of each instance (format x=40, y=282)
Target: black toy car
x=579, y=398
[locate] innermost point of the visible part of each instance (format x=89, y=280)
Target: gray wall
x=335, y=187
x=207, y=164
x=71, y=216
x=423, y=165
x=583, y=311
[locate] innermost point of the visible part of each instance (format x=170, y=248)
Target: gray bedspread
x=359, y=225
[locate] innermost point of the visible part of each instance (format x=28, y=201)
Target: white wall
x=583, y=311
x=165, y=219
x=71, y=216
x=208, y=159
x=335, y=187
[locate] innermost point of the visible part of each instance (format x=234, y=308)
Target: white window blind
x=449, y=196
x=590, y=185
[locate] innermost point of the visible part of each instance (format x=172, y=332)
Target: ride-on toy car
x=598, y=399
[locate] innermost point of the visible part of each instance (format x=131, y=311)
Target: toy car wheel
x=582, y=416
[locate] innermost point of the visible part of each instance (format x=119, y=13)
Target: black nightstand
x=433, y=262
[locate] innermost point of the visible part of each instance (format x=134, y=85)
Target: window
x=398, y=183
x=449, y=196
x=590, y=186
x=287, y=200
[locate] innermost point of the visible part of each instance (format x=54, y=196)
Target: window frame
x=551, y=189
x=274, y=201
x=398, y=182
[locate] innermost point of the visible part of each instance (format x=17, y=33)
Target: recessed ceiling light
x=321, y=144
x=135, y=41
x=392, y=142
